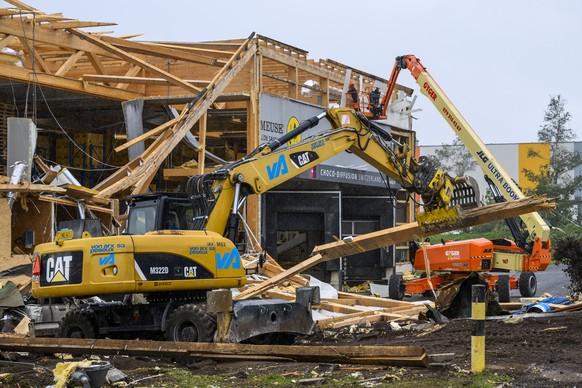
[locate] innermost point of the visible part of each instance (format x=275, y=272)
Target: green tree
x=454, y=158
x=553, y=179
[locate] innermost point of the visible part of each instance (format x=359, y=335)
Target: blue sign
x=228, y=260
x=278, y=168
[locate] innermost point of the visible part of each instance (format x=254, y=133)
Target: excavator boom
x=221, y=192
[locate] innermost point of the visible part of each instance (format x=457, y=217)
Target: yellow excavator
x=179, y=246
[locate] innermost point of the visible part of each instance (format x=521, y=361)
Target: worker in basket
x=353, y=92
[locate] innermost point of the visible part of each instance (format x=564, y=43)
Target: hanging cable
x=67, y=135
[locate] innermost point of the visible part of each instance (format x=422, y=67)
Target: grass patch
x=177, y=377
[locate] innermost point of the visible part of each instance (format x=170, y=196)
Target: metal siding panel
x=531, y=163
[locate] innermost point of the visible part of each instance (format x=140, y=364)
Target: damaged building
x=88, y=118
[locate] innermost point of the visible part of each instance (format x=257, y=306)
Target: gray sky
x=498, y=61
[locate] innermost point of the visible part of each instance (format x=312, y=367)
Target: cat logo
x=58, y=268
x=190, y=272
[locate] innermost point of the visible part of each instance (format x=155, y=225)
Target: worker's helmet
x=351, y=84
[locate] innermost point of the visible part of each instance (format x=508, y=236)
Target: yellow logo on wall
x=291, y=125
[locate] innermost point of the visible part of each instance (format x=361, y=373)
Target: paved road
x=553, y=281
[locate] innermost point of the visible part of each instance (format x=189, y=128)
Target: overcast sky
x=498, y=61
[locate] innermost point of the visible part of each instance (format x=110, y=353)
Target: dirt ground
x=540, y=351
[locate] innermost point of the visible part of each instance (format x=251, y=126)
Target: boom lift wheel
x=528, y=284
x=396, y=287
x=190, y=323
x=77, y=324
x=503, y=288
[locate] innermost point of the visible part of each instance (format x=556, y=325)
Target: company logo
x=58, y=269
x=300, y=159
x=431, y=93
x=190, y=272
x=101, y=248
x=291, y=125
x=453, y=255
x=317, y=144
x=198, y=250
x=107, y=260
x=278, y=168
x=452, y=119
x=228, y=260
x=482, y=156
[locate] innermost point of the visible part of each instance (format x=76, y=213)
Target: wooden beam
x=135, y=60
x=49, y=36
x=22, y=5
x=68, y=202
x=79, y=24
x=35, y=56
x=27, y=187
x=69, y=63
x=398, y=234
x=372, y=355
x=136, y=80
x=157, y=50
x=86, y=193
x=411, y=231
x=75, y=86
x=8, y=40
x=133, y=71
x=301, y=65
x=156, y=131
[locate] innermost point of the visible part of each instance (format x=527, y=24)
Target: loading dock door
x=293, y=223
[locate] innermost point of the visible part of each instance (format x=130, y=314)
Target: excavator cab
x=159, y=211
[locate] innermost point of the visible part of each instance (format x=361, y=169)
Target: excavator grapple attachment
x=466, y=193
x=465, y=196
x=439, y=218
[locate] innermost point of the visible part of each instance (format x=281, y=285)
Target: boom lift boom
x=532, y=251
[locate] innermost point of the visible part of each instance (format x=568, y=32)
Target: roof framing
x=55, y=51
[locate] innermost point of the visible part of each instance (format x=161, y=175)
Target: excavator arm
x=538, y=230
x=222, y=192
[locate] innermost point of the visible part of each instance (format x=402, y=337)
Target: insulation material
x=22, y=136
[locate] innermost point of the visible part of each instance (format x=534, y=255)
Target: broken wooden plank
x=27, y=187
x=86, y=193
x=378, y=355
x=412, y=231
x=366, y=300
x=398, y=234
x=68, y=202
x=142, y=176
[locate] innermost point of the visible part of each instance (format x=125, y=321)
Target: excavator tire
x=528, y=284
x=77, y=324
x=396, y=287
x=503, y=288
x=190, y=323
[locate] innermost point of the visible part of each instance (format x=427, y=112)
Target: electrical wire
x=69, y=137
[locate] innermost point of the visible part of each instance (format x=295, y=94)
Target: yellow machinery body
x=155, y=262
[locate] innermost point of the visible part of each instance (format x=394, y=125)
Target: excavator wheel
x=190, y=323
x=503, y=288
x=396, y=287
x=528, y=284
x=77, y=324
